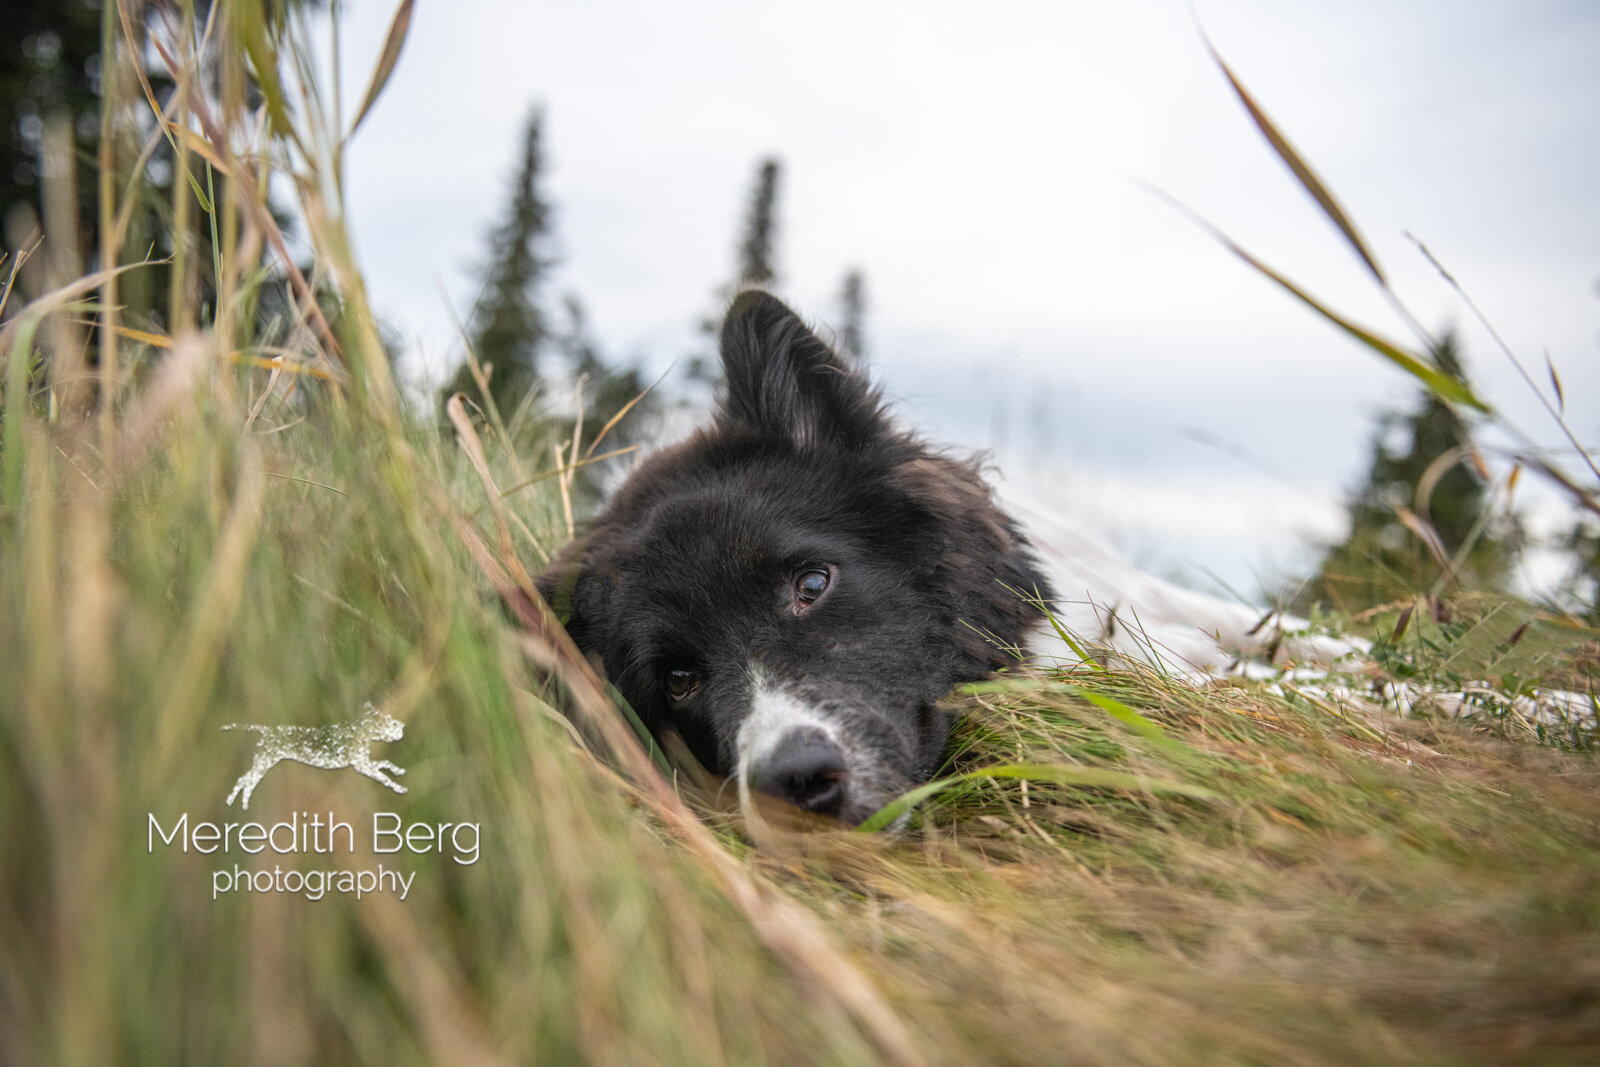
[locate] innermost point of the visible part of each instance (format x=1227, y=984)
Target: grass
x=1225, y=875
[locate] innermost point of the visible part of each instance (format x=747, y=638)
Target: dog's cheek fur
x=981, y=566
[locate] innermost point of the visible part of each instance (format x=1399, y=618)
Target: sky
x=988, y=168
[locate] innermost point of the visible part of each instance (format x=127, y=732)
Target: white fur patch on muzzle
x=777, y=718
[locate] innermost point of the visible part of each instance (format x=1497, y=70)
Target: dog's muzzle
x=806, y=769
x=789, y=752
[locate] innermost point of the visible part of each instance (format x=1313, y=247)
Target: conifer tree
x=852, y=317
x=508, y=329
x=757, y=261
x=757, y=247
x=1382, y=559
x=1584, y=584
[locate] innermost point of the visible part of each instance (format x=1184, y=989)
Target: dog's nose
x=807, y=770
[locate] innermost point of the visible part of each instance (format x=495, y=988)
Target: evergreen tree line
x=531, y=356
x=1421, y=522
x=531, y=346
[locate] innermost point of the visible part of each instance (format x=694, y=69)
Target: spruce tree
x=1382, y=559
x=757, y=247
x=852, y=337
x=509, y=329
x=1584, y=583
x=757, y=260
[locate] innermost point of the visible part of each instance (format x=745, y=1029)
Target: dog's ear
x=785, y=382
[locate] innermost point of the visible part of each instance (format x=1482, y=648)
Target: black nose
x=807, y=770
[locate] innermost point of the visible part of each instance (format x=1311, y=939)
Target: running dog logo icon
x=343, y=744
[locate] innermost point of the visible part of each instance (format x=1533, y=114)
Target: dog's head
x=793, y=589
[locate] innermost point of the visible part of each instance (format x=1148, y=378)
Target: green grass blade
x=1071, y=642
x=1128, y=717
x=251, y=23
x=1296, y=163
x=1444, y=385
x=646, y=738
x=1077, y=647
x=1056, y=773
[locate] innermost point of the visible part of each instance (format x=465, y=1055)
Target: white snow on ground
x=1115, y=605
x=1110, y=605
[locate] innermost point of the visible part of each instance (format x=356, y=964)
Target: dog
x=343, y=744
x=792, y=590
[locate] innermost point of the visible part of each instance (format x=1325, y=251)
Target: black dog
x=793, y=589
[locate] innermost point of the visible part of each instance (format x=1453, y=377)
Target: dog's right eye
x=680, y=682
x=809, y=585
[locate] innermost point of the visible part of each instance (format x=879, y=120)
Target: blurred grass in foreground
x=204, y=540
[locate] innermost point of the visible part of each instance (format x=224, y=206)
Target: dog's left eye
x=809, y=585
x=680, y=682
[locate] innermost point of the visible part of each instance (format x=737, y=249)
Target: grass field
x=1267, y=881
x=218, y=533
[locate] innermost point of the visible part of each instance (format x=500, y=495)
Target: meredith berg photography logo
x=332, y=747
x=344, y=744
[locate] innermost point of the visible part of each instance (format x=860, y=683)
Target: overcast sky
x=982, y=165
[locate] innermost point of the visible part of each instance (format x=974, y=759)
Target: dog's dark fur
x=793, y=589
